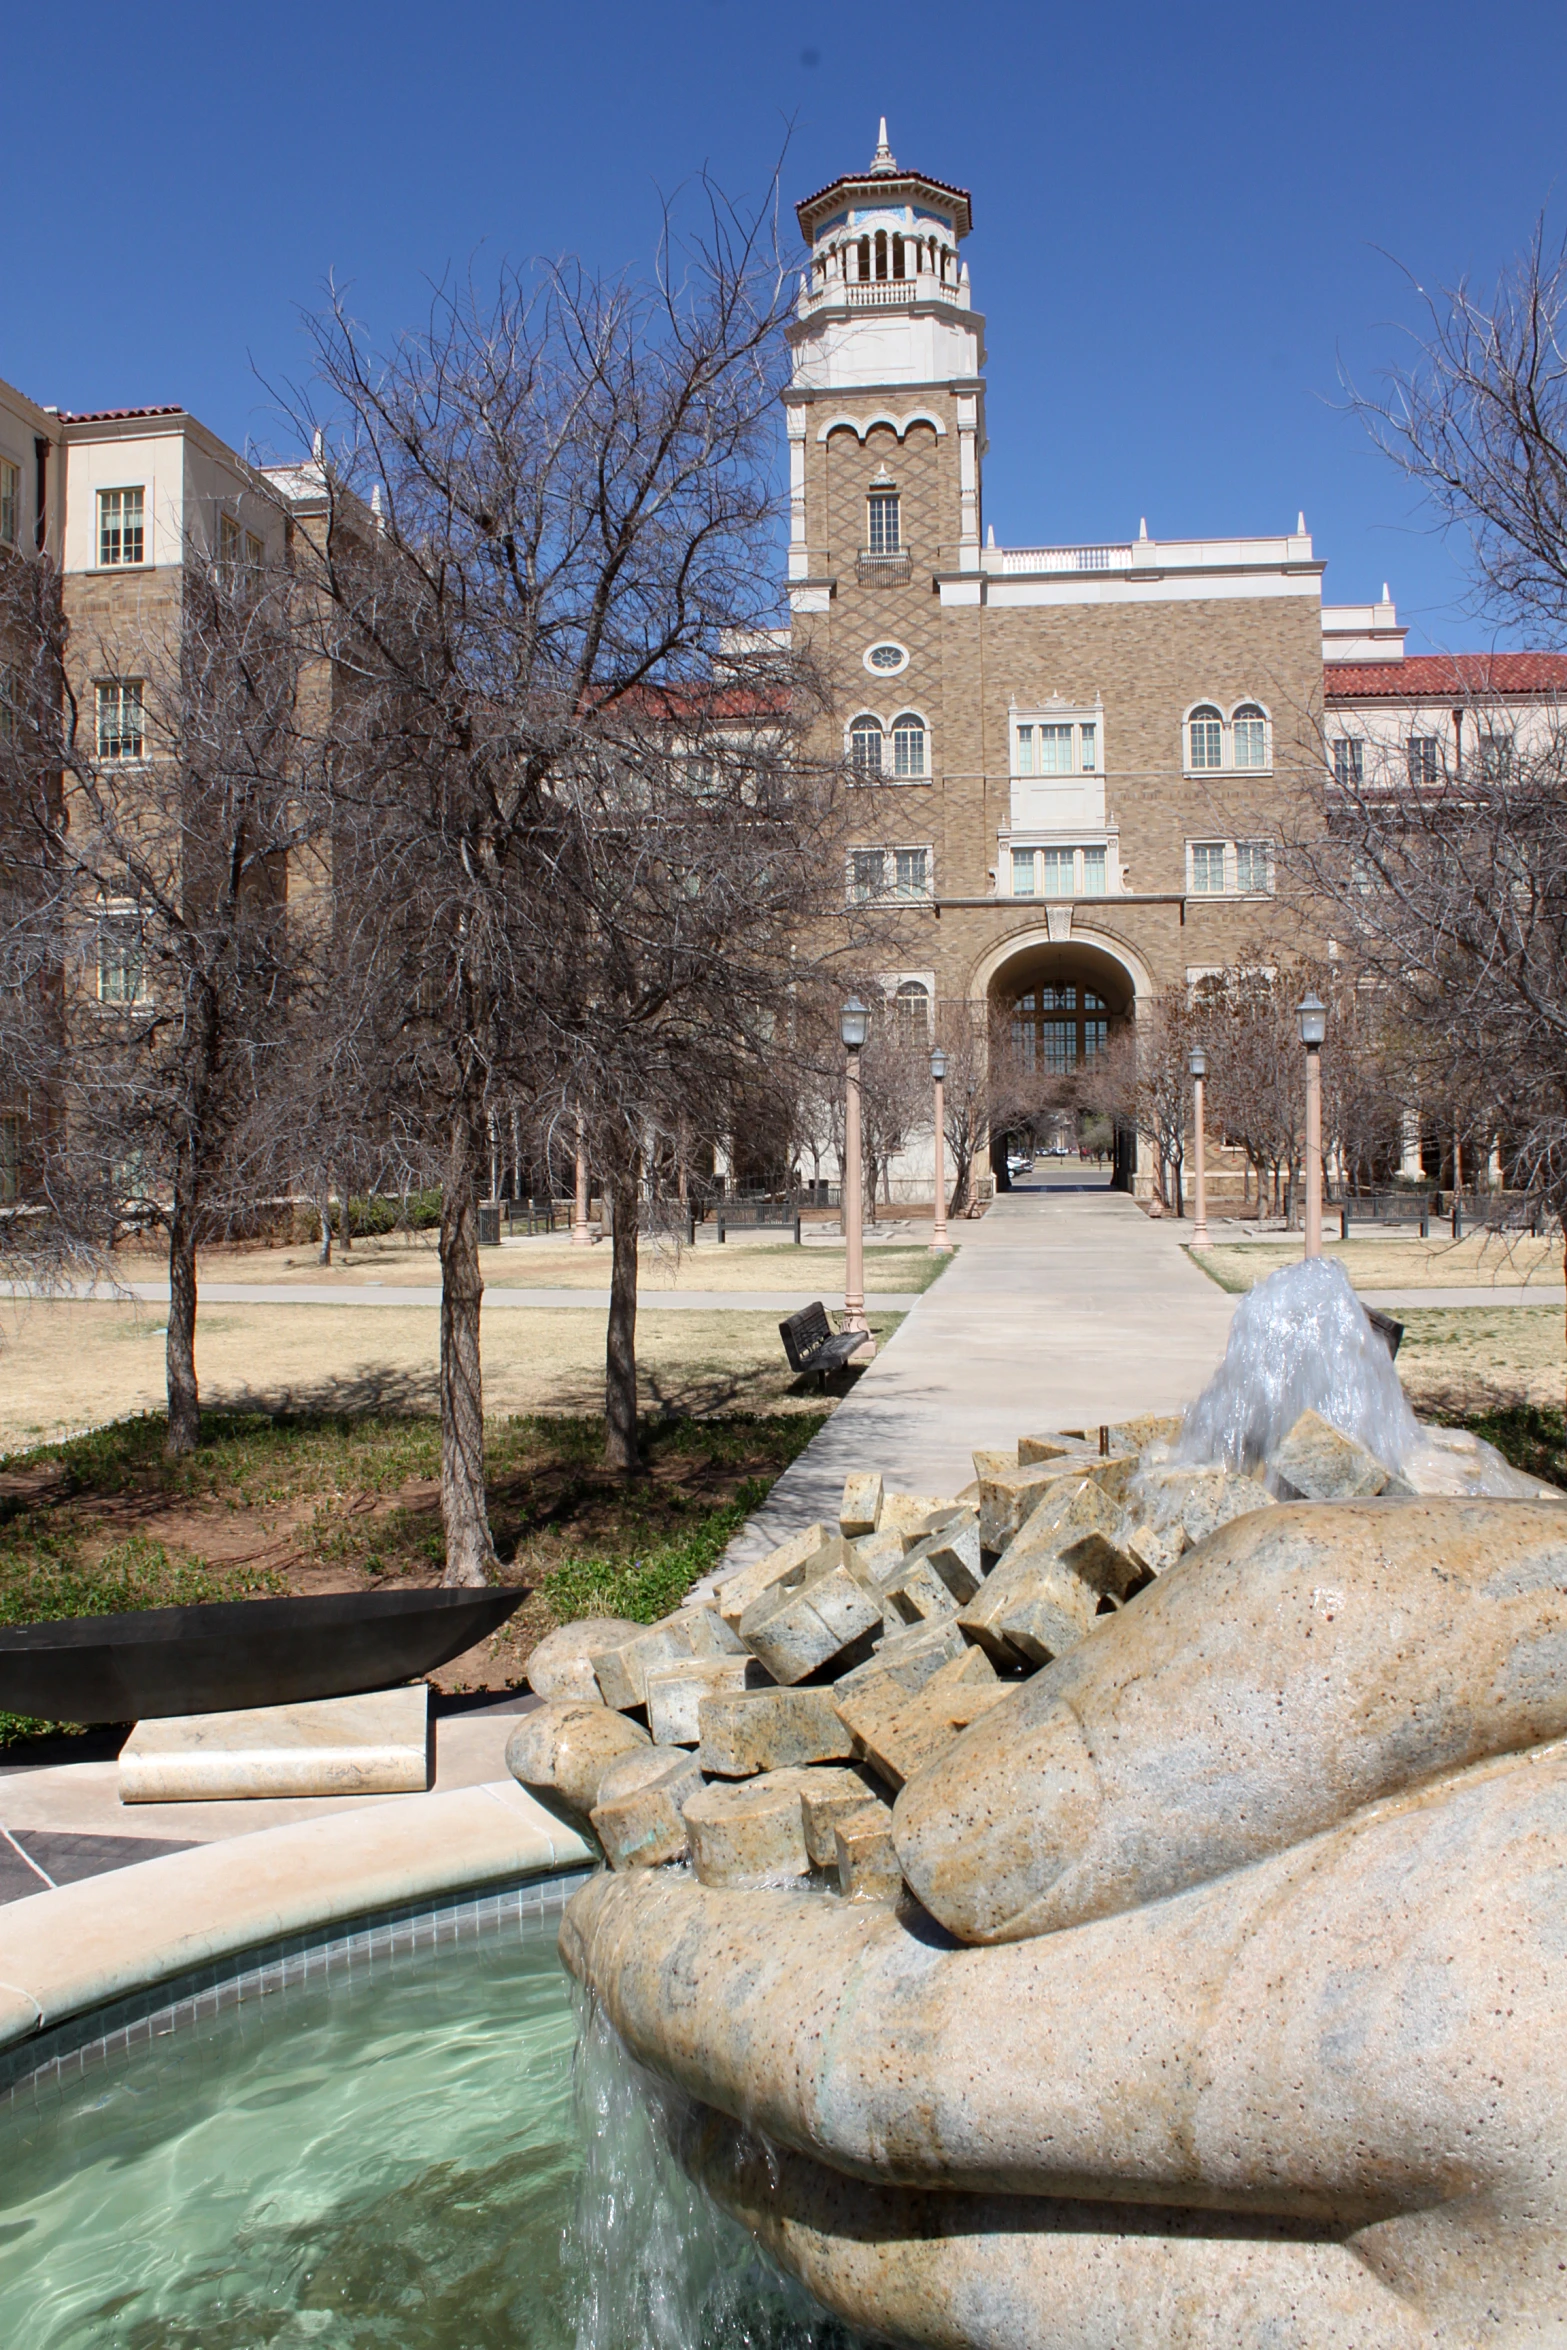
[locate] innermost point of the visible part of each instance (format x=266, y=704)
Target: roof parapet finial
x=1387, y=593
x=318, y=446
x=1142, y=528
x=990, y=536
x=1300, y=524
x=884, y=159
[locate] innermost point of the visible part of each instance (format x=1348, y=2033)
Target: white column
x=799, y=553
x=1409, y=1160
x=968, y=481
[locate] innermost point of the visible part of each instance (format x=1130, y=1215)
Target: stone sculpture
x=1166, y=1949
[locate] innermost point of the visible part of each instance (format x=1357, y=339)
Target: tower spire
x=884, y=159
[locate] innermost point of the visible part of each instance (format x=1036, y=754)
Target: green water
x=412, y=2160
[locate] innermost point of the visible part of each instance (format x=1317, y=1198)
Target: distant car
x=1017, y=1165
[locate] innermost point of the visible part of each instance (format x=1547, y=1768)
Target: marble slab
x=377, y=1744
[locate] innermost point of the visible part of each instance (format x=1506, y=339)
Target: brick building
x=1085, y=752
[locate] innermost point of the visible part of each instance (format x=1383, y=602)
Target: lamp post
x=1313, y=1017
x=1197, y=1062
x=940, y=1246
x=854, y=1026
x=581, y=1230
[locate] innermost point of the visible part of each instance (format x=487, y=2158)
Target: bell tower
x=885, y=404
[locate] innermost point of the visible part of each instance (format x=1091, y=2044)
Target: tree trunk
x=324, y=1210
x=470, y=1551
x=179, y=1351
x=620, y=1346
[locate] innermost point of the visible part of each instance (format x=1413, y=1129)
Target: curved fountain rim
x=168, y=1931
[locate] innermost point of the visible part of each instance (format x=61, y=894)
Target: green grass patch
x=649, y=1584
x=1532, y=1436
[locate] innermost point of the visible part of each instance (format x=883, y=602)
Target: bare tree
x=572, y=486
x=160, y=859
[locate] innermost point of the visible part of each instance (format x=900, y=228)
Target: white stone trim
x=1020, y=942
x=861, y=425
x=1107, y=588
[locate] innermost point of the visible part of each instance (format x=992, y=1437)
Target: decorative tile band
x=50, y=2059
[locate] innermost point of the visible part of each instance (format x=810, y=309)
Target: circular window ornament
x=886, y=660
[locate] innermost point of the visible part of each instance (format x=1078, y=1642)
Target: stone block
x=833, y=1617
x=865, y=1855
x=639, y=1818
x=992, y=1464
x=562, y=1664
x=916, y=1594
x=914, y=1513
x=918, y=1731
x=1318, y=1462
x=828, y=1796
x=375, y=1744
x=564, y=1748
x=880, y=1555
x=1008, y=1500
x=748, y=1832
x=953, y=1554
x=708, y=1633
x=782, y=1569
x=1102, y=1562
x=860, y=1508
x=1148, y=1428
x=1200, y=1500
x=675, y=1693
x=1154, y=1551
x=622, y=1672
x=770, y=1730
x=1114, y=1477
x=1031, y=1450
x=907, y=1659
x=1045, y=1612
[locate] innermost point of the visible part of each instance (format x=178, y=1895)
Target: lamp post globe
x=1313, y=1018
x=854, y=1024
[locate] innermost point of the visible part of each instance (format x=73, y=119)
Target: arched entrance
x=1056, y=1005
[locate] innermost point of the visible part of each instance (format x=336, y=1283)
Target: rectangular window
x=865, y=874
x=1090, y=748
x=120, y=718
x=1251, y=742
x=229, y=538
x=1496, y=757
x=1208, y=868
x=1349, y=763
x=912, y=869
x=1093, y=873
x=1420, y=753
x=1254, y=867
x=1096, y=1035
x=1025, y=750
x=10, y=1157
x=1055, y=750
x=121, y=527
x=121, y=968
x=10, y=501
x=1023, y=873
x=1058, y=1046
x=885, y=537
x=1207, y=742
x=255, y=551
x=10, y=702
x=1059, y=876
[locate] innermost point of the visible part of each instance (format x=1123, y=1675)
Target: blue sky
x=1187, y=218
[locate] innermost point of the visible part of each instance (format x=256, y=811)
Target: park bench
x=812, y=1344
x=1384, y=1207
x=757, y=1215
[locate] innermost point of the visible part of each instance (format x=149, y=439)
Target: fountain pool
x=418, y=2149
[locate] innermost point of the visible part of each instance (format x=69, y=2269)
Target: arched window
x=865, y=746
x=908, y=744
x=1251, y=736
x=1206, y=733
x=911, y=1011
x=897, y=257
x=863, y=260
x=881, y=253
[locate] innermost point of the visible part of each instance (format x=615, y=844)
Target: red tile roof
x=114, y=415
x=1429, y=677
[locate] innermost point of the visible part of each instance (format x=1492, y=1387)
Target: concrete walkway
x=1064, y=1308
x=389, y=1293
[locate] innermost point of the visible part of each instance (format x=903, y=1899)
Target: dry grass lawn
x=762, y=1263
x=66, y=1366
x=1467, y=1360
x=1484, y=1260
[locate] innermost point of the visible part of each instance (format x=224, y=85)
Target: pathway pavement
x=388, y=1293
x=1064, y=1308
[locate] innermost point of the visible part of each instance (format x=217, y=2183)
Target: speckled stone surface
x=562, y=1663
x=563, y=1750
x=376, y=1744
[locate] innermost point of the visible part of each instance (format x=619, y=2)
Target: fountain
x=1213, y=1994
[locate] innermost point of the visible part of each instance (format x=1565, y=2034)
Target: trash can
x=489, y=1223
